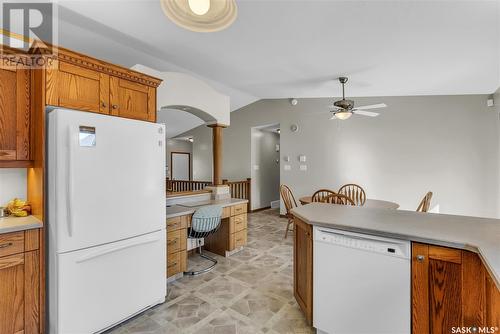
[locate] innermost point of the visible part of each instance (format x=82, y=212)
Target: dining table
x=369, y=203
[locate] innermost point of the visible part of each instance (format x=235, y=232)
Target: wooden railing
x=186, y=185
x=240, y=189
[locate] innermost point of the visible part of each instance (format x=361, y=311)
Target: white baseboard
x=275, y=204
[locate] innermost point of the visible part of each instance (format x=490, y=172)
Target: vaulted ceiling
x=285, y=48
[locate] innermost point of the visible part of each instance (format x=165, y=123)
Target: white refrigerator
x=106, y=220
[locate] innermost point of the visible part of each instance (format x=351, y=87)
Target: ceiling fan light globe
x=343, y=115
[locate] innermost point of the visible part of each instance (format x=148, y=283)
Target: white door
x=105, y=186
x=101, y=286
x=180, y=165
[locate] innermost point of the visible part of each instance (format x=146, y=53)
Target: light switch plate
x=303, y=167
x=256, y=167
x=286, y=158
x=302, y=158
x=288, y=167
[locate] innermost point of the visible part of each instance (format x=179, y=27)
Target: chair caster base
x=198, y=272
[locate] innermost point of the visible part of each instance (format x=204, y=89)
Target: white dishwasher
x=361, y=283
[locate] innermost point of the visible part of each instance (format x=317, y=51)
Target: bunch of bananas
x=18, y=208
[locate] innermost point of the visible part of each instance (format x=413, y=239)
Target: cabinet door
x=302, y=267
x=449, y=289
x=132, y=100
x=12, y=294
x=14, y=114
x=78, y=88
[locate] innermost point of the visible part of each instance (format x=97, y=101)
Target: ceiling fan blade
x=372, y=106
x=366, y=113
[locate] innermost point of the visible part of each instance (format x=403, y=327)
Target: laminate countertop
x=479, y=235
x=16, y=224
x=190, y=208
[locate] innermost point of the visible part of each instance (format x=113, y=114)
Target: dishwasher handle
x=364, y=242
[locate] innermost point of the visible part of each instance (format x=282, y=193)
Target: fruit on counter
x=18, y=208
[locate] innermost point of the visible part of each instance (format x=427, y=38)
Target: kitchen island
x=455, y=261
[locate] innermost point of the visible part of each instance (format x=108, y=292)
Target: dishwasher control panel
x=370, y=243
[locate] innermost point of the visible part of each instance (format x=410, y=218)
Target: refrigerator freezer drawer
x=101, y=286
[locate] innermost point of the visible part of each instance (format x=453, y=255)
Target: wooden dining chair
x=290, y=203
x=321, y=194
x=425, y=203
x=354, y=192
x=338, y=199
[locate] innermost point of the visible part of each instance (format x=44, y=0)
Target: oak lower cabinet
x=14, y=114
x=232, y=232
x=303, y=268
x=19, y=283
x=451, y=288
x=176, y=245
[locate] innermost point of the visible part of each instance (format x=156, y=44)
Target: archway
x=186, y=93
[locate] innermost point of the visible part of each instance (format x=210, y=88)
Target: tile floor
x=247, y=293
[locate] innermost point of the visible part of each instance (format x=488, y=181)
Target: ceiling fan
x=343, y=109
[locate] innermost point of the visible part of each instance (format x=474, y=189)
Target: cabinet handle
x=172, y=242
x=115, y=106
x=420, y=258
x=6, y=245
x=103, y=104
x=172, y=265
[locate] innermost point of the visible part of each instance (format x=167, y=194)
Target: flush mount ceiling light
x=201, y=15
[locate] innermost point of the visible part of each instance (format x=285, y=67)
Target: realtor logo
x=28, y=28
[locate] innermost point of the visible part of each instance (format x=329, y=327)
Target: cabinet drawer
x=183, y=261
x=173, y=263
x=238, y=223
x=238, y=209
x=226, y=212
x=173, y=241
x=240, y=238
x=176, y=223
x=11, y=243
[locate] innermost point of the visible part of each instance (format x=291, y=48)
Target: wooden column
x=217, y=153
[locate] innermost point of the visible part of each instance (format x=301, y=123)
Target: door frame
x=172, y=164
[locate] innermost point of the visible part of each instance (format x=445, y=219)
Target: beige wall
x=265, y=179
x=447, y=144
x=12, y=184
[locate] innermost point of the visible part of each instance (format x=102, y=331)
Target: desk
x=231, y=236
x=370, y=203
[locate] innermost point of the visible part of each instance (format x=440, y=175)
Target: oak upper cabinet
x=19, y=283
x=14, y=114
x=80, y=82
x=78, y=88
x=451, y=288
x=132, y=100
x=303, y=267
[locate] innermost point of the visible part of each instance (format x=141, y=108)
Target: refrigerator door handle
x=134, y=243
x=69, y=183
